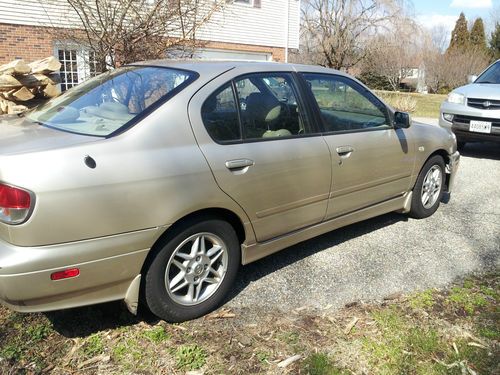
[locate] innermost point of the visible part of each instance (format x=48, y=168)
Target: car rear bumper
x=107, y=266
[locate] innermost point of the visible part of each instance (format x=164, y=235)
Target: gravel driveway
x=389, y=254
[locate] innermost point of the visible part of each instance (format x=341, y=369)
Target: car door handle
x=344, y=151
x=239, y=164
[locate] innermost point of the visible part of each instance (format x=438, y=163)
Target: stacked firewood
x=25, y=85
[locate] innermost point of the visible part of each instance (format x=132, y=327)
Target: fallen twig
x=289, y=361
x=222, y=314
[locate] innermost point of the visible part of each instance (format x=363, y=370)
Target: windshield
x=491, y=75
x=110, y=101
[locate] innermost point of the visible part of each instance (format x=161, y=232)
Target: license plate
x=480, y=126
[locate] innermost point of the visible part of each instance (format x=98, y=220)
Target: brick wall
x=33, y=43
x=24, y=42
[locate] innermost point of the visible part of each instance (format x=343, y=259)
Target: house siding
x=237, y=23
x=264, y=26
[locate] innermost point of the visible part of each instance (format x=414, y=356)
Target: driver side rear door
x=263, y=150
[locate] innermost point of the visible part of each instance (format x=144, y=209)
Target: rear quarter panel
x=149, y=176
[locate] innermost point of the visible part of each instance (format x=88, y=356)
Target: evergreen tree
x=495, y=42
x=477, y=35
x=460, y=34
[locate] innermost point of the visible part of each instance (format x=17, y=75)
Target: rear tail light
x=15, y=204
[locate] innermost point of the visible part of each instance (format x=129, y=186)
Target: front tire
x=192, y=271
x=428, y=189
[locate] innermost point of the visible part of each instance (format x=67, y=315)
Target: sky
x=432, y=13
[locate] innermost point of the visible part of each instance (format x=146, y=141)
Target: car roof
x=211, y=66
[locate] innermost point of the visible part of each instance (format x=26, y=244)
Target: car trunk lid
x=19, y=135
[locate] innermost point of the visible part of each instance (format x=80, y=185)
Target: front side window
x=491, y=75
x=346, y=105
x=110, y=101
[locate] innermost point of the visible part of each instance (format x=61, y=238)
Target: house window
x=78, y=64
x=254, y=3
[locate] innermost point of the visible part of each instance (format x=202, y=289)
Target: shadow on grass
x=84, y=321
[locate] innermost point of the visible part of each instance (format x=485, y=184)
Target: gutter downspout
x=287, y=28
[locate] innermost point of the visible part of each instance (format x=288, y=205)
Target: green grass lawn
x=426, y=105
x=452, y=331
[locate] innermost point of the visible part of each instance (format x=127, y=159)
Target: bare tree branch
x=123, y=31
x=335, y=32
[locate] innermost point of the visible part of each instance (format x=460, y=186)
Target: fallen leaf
x=195, y=372
x=179, y=327
x=299, y=309
x=350, y=326
x=393, y=296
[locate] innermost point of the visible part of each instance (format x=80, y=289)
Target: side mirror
x=471, y=78
x=401, y=120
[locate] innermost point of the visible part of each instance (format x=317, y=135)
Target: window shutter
x=256, y=3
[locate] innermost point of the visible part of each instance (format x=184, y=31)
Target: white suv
x=473, y=111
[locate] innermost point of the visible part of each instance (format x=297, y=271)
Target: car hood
x=19, y=135
x=480, y=91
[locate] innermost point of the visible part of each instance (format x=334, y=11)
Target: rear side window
x=261, y=106
x=269, y=106
x=220, y=115
x=345, y=105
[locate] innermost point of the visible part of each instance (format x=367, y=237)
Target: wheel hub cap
x=196, y=269
x=431, y=186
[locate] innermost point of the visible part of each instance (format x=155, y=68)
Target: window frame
x=307, y=112
x=85, y=66
x=355, y=86
x=246, y=3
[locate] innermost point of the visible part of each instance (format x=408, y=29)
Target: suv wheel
x=192, y=271
x=428, y=189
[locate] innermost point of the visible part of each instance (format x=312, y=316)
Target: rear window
x=111, y=101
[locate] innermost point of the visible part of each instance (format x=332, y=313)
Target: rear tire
x=192, y=271
x=428, y=189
